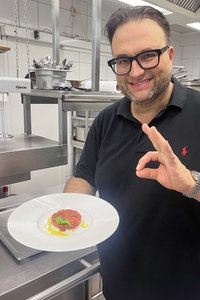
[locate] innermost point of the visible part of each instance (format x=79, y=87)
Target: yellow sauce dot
x=50, y=230
x=84, y=225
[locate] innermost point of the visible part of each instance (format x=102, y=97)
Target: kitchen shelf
x=66, y=101
x=27, y=152
x=81, y=118
x=74, y=101
x=4, y=49
x=77, y=144
x=22, y=154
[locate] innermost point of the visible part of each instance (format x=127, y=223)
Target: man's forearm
x=79, y=185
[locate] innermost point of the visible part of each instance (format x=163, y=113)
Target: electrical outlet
x=73, y=11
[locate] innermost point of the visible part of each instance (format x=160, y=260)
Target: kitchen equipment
x=49, y=79
x=80, y=133
x=193, y=83
x=179, y=72
x=104, y=85
x=14, y=85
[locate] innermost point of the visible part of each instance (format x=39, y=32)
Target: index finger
x=159, y=142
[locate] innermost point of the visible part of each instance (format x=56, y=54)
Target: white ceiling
x=180, y=16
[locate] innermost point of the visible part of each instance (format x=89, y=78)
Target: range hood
x=192, y=5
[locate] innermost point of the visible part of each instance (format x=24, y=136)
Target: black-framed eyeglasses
x=146, y=60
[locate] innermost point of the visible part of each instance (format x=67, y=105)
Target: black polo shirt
x=155, y=252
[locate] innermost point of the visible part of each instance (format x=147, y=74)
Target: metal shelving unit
x=80, y=126
x=74, y=101
x=27, y=152
x=81, y=122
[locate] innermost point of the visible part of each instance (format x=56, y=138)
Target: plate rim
x=60, y=197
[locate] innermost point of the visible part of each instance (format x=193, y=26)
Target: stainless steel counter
x=66, y=101
x=22, y=154
x=45, y=274
x=53, y=272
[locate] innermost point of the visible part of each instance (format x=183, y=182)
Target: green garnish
x=61, y=221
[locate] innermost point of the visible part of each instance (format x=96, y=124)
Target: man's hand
x=171, y=173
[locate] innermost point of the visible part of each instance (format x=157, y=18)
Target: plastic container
x=5, y=191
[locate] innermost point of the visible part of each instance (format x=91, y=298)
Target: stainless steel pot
x=49, y=79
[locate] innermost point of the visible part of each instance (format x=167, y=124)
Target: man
x=155, y=252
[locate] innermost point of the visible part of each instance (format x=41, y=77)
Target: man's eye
x=148, y=56
x=123, y=62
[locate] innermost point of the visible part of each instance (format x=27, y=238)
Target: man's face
x=132, y=38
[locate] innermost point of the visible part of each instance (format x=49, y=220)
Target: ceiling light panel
x=195, y=25
x=141, y=2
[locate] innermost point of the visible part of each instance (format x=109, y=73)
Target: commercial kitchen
x=46, y=113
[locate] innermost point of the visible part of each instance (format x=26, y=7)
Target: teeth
x=141, y=82
x=138, y=83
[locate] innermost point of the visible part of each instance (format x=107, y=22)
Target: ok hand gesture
x=171, y=173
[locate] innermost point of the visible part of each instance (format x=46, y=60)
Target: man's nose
x=136, y=70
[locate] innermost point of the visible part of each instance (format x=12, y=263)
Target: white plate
x=27, y=223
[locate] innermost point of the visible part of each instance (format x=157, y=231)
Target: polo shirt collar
x=177, y=99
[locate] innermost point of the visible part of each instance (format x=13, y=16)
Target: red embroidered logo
x=184, y=150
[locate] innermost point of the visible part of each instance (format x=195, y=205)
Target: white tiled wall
x=187, y=53
x=191, y=60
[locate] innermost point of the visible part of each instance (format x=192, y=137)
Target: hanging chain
x=38, y=15
x=27, y=37
x=16, y=19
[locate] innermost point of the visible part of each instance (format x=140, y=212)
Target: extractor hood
x=191, y=5
x=184, y=12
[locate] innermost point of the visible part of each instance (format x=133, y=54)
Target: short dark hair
x=127, y=13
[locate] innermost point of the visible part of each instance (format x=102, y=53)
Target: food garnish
x=65, y=221
x=62, y=221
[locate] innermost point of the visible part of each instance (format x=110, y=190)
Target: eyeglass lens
x=146, y=60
